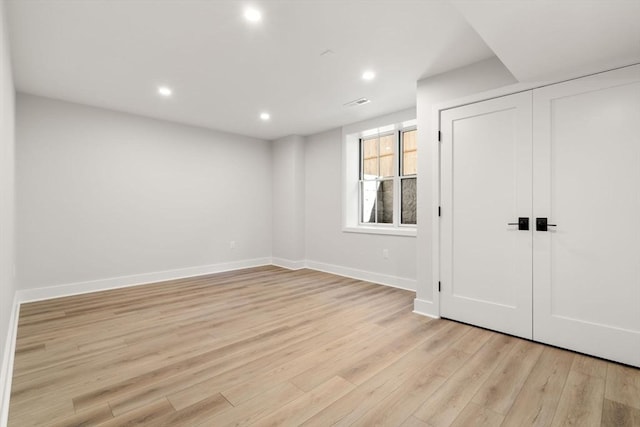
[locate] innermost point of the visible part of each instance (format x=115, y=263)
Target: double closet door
x=540, y=226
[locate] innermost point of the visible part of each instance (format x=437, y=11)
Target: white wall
x=328, y=247
x=288, y=189
x=7, y=205
x=475, y=78
x=102, y=194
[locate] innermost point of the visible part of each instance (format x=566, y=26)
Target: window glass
x=368, y=195
x=384, y=202
x=370, y=158
x=409, y=152
x=387, y=156
x=387, y=189
x=408, y=200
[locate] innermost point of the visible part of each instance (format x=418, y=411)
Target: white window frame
x=401, y=177
x=352, y=134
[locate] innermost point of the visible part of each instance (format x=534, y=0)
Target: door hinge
x=439, y=211
x=439, y=286
x=439, y=136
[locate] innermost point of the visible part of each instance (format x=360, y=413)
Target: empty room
x=416, y=213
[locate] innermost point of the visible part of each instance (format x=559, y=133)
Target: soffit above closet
x=551, y=40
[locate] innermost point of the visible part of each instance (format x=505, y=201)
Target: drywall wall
x=102, y=194
x=288, y=189
x=330, y=248
x=475, y=78
x=7, y=205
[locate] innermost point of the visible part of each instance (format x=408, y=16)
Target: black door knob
x=523, y=223
x=542, y=224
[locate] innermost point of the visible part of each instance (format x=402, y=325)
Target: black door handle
x=542, y=224
x=523, y=223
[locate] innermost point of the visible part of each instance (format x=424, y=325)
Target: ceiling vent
x=360, y=101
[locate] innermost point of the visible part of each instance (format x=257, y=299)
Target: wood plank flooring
x=268, y=346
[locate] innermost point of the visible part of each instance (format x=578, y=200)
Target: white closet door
x=486, y=184
x=587, y=182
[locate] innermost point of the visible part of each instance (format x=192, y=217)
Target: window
x=409, y=176
x=379, y=176
x=387, y=178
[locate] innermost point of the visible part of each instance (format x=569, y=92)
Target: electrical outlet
x=385, y=253
x=232, y=244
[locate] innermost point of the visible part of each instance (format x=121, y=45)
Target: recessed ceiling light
x=164, y=90
x=368, y=75
x=252, y=15
x=265, y=116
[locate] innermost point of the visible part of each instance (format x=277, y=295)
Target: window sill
x=405, y=232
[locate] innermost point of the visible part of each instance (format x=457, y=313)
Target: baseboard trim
x=6, y=374
x=288, y=264
x=38, y=294
x=70, y=289
x=382, y=279
x=425, y=308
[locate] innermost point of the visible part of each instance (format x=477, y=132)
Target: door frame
x=432, y=308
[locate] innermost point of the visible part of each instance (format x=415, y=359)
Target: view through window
x=388, y=178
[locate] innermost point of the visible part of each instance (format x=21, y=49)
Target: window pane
x=408, y=201
x=385, y=202
x=368, y=201
x=409, y=152
x=370, y=158
x=379, y=169
x=370, y=168
x=386, y=156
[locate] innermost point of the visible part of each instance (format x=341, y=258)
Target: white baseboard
x=6, y=374
x=425, y=308
x=287, y=263
x=383, y=279
x=30, y=295
x=38, y=294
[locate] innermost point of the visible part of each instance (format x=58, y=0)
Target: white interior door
x=485, y=184
x=587, y=182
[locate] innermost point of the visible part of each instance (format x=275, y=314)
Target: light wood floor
x=267, y=346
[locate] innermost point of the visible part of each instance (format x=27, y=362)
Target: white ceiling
x=225, y=71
